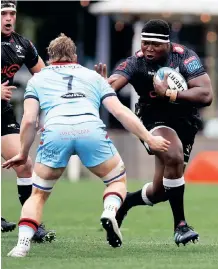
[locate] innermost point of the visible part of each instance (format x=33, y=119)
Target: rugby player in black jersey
x=171, y=114
x=16, y=50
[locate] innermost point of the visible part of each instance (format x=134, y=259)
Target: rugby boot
x=184, y=234
x=7, y=226
x=42, y=235
x=109, y=223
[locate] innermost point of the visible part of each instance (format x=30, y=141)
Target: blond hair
x=62, y=49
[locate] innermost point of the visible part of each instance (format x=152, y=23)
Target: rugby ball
x=175, y=80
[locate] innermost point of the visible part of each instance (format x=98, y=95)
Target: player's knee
x=25, y=171
x=42, y=185
x=117, y=174
x=174, y=158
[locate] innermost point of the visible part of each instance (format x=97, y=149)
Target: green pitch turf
x=74, y=211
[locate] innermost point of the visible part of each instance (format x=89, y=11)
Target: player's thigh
x=10, y=145
x=10, y=138
x=187, y=135
x=175, y=151
x=105, y=167
x=97, y=152
x=55, y=149
x=9, y=124
x=48, y=173
x=94, y=147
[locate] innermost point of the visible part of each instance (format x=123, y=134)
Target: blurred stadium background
x=109, y=31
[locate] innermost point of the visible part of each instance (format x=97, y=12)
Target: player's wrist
x=149, y=139
x=24, y=153
x=171, y=95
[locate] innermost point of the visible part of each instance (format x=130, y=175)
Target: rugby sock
x=24, y=186
x=133, y=199
x=112, y=201
x=175, y=190
x=27, y=228
x=144, y=194
x=137, y=198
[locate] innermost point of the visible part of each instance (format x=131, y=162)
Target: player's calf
x=24, y=181
x=31, y=214
x=113, y=197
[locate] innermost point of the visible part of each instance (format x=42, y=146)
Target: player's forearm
x=198, y=96
x=132, y=123
x=117, y=82
x=27, y=135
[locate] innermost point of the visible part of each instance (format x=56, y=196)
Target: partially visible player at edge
x=70, y=95
x=171, y=114
x=16, y=51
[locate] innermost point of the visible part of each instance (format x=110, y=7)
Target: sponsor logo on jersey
x=11, y=70
x=71, y=95
x=13, y=126
x=192, y=64
x=19, y=49
x=5, y=43
x=190, y=59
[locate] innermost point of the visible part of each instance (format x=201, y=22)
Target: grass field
x=74, y=211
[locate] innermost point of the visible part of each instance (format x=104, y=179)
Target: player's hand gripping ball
x=168, y=78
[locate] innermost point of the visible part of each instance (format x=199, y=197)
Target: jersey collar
x=63, y=63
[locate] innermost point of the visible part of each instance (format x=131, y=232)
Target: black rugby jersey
x=16, y=50
x=140, y=72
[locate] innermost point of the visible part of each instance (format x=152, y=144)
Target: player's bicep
x=32, y=56
x=200, y=81
x=203, y=82
x=127, y=69
x=39, y=65
x=113, y=105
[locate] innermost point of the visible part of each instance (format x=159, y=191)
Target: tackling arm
x=132, y=123
x=28, y=125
